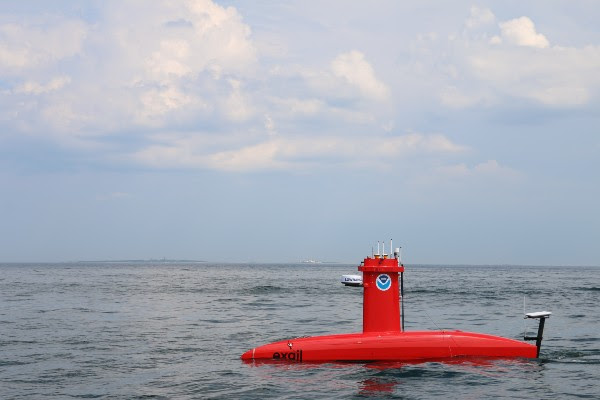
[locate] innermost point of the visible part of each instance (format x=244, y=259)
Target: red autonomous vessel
x=384, y=338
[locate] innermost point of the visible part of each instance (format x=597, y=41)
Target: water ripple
x=158, y=331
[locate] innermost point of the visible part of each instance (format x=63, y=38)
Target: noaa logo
x=383, y=282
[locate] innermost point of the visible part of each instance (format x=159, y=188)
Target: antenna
x=524, y=319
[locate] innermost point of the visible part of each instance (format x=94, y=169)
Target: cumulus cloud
x=556, y=77
x=157, y=102
x=182, y=61
x=236, y=105
x=39, y=44
x=517, y=63
x=356, y=70
x=188, y=63
x=145, y=74
x=521, y=31
x=180, y=39
x=191, y=51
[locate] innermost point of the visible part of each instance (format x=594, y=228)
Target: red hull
x=384, y=338
x=391, y=346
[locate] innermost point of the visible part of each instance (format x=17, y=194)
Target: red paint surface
x=382, y=338
x=392, y=346
x=381, y=308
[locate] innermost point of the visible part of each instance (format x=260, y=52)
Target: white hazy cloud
x=237, y=106
x=490, y=168
x=356, y=70
x=182, y=38
x=169, y=61
x=456, y=178
x=160, y=101
x=460, y=114
x=454, y=97
x=517, y=63
x=303, y=107
x=556, y=76
x=32, y=87
x=521, y=31
x=143, y=65
x=191, y=51
x=146, y=68
x=38, y=44
x=294, y=152
x=480, y=17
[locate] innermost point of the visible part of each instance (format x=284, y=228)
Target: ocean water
x=177, y=330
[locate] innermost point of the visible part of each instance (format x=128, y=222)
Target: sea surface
x=175, y=330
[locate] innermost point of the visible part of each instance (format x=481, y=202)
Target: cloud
x=237, y=105
x=183, y=61
x=487, y=69
x=293, y=152
x=188, y=64
x=354, y=68
x=454, y=97
x=487, y=169
x=557, y=76
x=169, y=61
x=180, y=39
x=158, y=102
x=343, y=91
x=521, y=31
x=188, y=46
x=300, y=107
x=480, y=17
x=39, y=43
x=182, y=84
x=36, y=88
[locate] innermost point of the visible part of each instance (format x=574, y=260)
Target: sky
x=260, y=131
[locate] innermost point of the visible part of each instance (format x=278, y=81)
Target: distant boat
x=311, y=261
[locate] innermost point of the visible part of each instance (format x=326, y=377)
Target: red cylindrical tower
x=381, y=298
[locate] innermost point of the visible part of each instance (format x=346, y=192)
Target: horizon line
x=254, y=262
